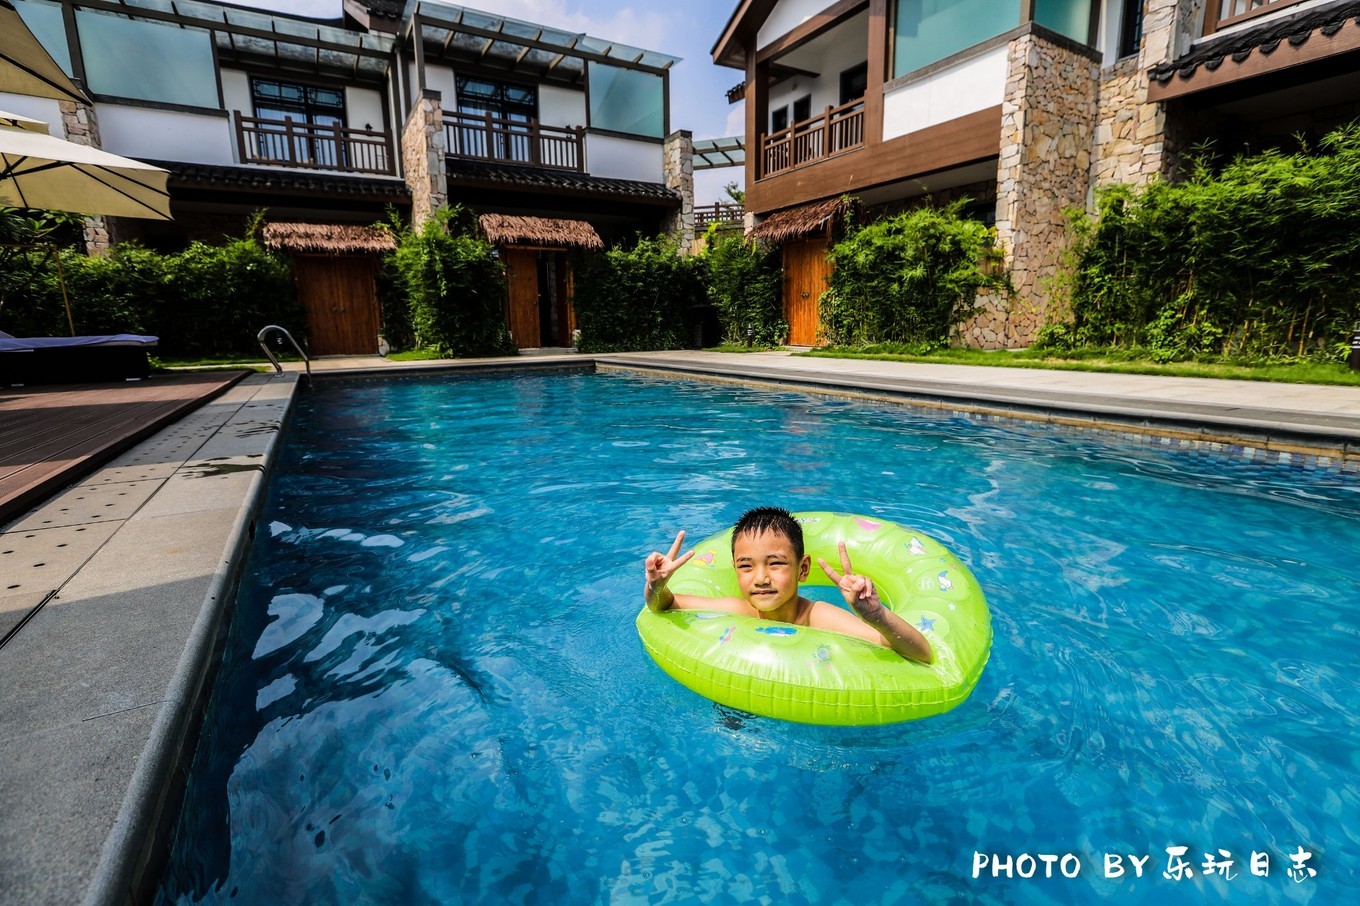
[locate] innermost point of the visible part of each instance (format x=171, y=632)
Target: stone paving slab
x=98, y=687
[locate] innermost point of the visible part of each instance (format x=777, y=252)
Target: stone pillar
x=423, y=153
x=81, y=125
x=1047, y=122
x=1135, y=143
x=678, y=165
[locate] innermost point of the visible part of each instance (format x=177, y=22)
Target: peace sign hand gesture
x=659, y=568
x=858, y=591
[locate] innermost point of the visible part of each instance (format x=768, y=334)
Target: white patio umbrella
x=26, y=67
x=38, y=170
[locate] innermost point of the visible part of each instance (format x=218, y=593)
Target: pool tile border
x=1341, y=456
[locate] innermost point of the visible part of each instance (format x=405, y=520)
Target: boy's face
x=767, y=571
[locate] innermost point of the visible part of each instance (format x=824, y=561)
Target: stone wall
x=1135, y=142
x=678, y=165
x=81, y=125
x=1047, y=127
x=423, y=153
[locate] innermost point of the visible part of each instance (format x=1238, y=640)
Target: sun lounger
x=67, y=360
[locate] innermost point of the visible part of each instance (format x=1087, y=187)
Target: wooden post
x=288, y=137
x=339, y=146
x=240, y=136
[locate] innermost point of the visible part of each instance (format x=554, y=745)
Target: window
x=44, y=19
x=854, y=82
x=930, y=30
x=303, y=104
x=517, y=103
x=1131, y=29
x=627, y=100
x=779, y=119
x=1070, y=18
x=802, y=108
x=149, y=61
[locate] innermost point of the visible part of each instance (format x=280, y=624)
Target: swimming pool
x=433, y=691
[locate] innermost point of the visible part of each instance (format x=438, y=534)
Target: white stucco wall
x=441, y=79
x=847, y=47
x=236, y=91
x=561, y=106
x=621, y=158
x=43, y=109
x=786, y=16
x=166, y=134
x=966, y=87
x=363, y=107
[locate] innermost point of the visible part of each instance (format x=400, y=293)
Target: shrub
x=908, y=278
x=453, y=287
x=745, y=285
x=638, y=298
x=205, y=300
x=1257, y=259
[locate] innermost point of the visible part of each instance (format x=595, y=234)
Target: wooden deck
x=51, y=436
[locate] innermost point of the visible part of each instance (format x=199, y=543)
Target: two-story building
x=1023, y=106
x=394, y=105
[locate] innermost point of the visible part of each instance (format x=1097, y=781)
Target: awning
x=25, y=65
x=806, y=220
x=328, y=238
x=712, y=153
x=504, y=229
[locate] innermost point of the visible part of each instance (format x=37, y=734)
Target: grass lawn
x=1108, y=360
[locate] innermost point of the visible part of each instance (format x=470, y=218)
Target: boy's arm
x=860, y=594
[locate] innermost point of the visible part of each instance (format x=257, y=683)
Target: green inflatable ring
x=819, y=677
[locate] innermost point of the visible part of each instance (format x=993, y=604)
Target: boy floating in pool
x=767, y=553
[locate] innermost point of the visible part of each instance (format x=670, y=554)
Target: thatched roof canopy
x=806, y=220
x=328, y=238
x=503, y=229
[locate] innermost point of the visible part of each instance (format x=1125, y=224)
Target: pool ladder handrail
x=264, y=332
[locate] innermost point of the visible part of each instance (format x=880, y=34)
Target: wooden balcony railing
x=315, y=146
x=832, y=132
x=482, y=136
x=718, y=212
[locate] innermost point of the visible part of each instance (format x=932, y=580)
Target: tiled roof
x=217, y=176
x=561, y=181
x=1264, y=38
x=386, y=9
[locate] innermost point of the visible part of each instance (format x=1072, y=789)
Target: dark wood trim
x=117, y=101
x=968, y=139
x=880, y=58
x=827, y=19
x=1213, y=23
x=1285, y=56
x=731, y=48
x=419, y=49
x=596, y=130
x=68, y=19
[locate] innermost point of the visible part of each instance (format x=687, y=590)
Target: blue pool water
x=433, y=690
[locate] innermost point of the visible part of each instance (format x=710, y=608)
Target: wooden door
x=805, y=273
x=341, y=301
x=521, y=271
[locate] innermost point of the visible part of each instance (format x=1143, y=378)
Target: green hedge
x=745, y=286
x=203, y=301
x=908, y=278
x=1257, y=259
x=638, y=298
x=445, y=290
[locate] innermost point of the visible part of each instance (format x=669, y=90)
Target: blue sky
x=687, y=29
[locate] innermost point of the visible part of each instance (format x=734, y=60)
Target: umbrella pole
x=61, y=281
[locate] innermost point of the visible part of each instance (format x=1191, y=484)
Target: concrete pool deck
x=101, y=689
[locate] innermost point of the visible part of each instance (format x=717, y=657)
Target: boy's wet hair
x=770, y=519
